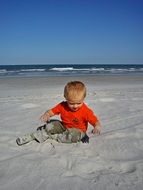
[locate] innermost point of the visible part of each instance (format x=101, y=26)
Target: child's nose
x=75, y=105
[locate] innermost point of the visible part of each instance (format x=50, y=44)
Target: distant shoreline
x=72, y=70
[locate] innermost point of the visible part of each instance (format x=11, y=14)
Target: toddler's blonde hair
x=74, y=90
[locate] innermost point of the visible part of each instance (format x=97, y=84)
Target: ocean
x=69, y=70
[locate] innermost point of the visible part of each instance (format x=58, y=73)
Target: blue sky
x=71, y=31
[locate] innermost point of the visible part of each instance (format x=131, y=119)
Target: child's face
x=75, y=104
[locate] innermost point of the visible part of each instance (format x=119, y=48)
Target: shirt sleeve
x=57, y=109
x=92, y=118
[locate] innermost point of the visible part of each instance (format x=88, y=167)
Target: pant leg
x=25, y=139
x=49, y=131
x=53, y=130
x=72, y=135
x=55, y=127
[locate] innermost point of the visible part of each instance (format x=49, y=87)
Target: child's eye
x=74, y=103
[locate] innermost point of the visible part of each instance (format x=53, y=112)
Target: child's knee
x=55, y=127
x=75, y=135
x=71, y=135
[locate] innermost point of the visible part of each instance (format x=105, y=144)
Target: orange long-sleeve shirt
x=78, y=119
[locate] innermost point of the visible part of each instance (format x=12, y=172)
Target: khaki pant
x=55, y=130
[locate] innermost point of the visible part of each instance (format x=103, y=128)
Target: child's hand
x=45, y=117
x=97, y=129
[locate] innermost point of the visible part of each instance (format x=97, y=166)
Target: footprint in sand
x=124, y=168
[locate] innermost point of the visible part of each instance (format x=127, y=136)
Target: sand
x=113, y=160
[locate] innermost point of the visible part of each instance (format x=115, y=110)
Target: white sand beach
x=111, y=161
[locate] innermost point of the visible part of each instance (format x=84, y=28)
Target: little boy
x=75, y=116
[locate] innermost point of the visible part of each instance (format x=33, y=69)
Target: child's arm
x=97, y=128
x=46, y=116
